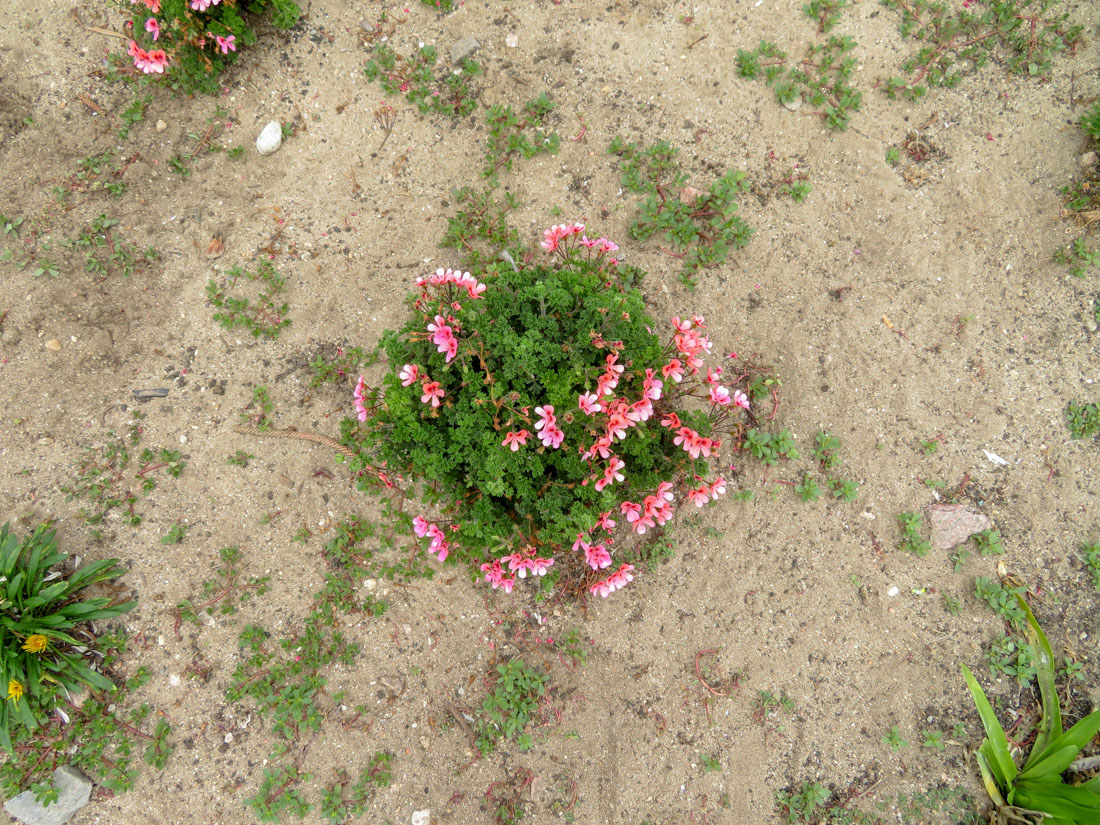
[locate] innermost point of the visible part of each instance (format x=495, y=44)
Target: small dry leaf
x=216, y=247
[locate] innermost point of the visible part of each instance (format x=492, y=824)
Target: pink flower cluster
x=616, y=581
x=203, y=5
x=452, y=276
x=549, y=433
x=443, y=336
x=360, y=399
x=431, y=390
x=519, y=565
x=554, y=240
x=426, y=529
x=655, y=510
x=149, y=62
x=690, y=343
x=707, y=492
x=552, y=237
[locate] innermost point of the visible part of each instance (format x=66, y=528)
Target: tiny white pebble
x=893, y=591
x=173, y=679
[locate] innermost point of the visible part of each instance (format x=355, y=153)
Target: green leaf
x=999, y=755
x=1078, y=736
x=1053, y=764
x=1050, y=722
x=1060, y=800
x=989, y=781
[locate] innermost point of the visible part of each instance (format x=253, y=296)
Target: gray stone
x=464, y=48
x=270, y=139
x=1089, y=160
x=73, y=792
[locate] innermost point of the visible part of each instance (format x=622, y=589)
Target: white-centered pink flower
x=409, y=375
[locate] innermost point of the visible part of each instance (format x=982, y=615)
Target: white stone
x=73, y=792
x=511, y=41
x=893, y=591
x=270, y=139
x=423, y=817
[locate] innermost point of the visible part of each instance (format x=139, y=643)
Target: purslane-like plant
x=542, y=411
x=38, y=609
x=1036, y=791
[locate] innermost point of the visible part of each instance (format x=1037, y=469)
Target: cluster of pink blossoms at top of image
x=155, y=61
x=612, y=418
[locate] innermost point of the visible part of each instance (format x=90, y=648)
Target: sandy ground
x=858, y=297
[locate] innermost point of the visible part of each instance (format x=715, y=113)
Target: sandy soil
x=856, y=296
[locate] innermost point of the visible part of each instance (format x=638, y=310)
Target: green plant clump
x=513, y=701
x=38, y=608
x=445, y=93
x=473, y=381
x=1037, y=789
x=1083, y=420
x=262, y=316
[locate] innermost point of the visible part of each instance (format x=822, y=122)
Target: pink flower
x=622, y=577
x=409, y=375
x=611, y=473
x=642, y=524
x=515, y=440
x=420, y=526
x=740, y=399
x=360, y=399
x=607, y=246
x=664, y=491
x=601, y=589
x=617, y=426
x=713, y=375
x=717, y=488
x=153, y=28
x=700, y=495
x=589, y=403
x=640, y=411
x=682, y=326
x=674, y=370
x=671, y=420
x=586, y=242
x=156, y=62
x=546, y=416
x=226, y=44
x=551, y=436
x=518, y=564
x=203, y=5
x=597, y=557
x=606, y=522
x=631, y=510
x=720, y=395
x=432, y=393
x=540, y=566
x=652, y=386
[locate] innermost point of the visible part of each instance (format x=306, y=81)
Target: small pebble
x=893, y=591
x=270, y=139
x=161, y=125
x=423, y=817
x=793, y=105
x=173, y=679
x=53, y=345
x=1088, y=160
x=463, y=48
x=511, y=41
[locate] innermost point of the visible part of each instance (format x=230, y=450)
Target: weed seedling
x=508, y=135
x=225, y=591
x=933, y=739
x=1083, y=420
x=261, y=317
x=1077, y=255
x=445, y=93
x=702, y=227
x=808, y=489
x=827, y=451
x=911, y=539
x=510, y=706
x=894, y=740
x=710, y=763
x=343, y=800
x=240, y=458
x=932, y=445
x=1002, y=601
x=10, y=226
x=988, y=542
x=951, y=604
x=175, y=534
x=1090, y=555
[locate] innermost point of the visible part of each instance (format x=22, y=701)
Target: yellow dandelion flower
x=15, y=690
x=35, y=643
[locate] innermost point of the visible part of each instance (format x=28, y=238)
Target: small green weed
x=261, y=317
x=951, y=604
x=811, y=803
x=702, y=227
x=1090, y=555
x=767, y=705
x=10, y=226
x=343, y=800
x=1012, y=656
x=911, y=539
x=988, y=542
x=1002, y=601
x=511, y=704
x=1020, y=34
x=226, y=591
x=1083, y=420
x=1078, y=257
x=240, y=458
x=893, y=155
x=798, y=189
x=937, y=805
x=768, y=447
x=932, y=445
x=105, y=254
x=508, y=135
x=346, y=362
x=479, y=229
x=445, y=93
x=134, y=113
x=710, y=763
x=894, y=740
x=175, y=535
x=827, y=451
x=821, y=79
x=933, y=739
x=808, y=489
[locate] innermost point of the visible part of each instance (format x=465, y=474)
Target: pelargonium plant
x=190, y=42
x=545, y=417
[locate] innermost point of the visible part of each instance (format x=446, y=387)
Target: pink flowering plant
x=187, y=44
x=554, y=426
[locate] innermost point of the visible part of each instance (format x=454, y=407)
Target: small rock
x=205, y=617
x=394, y=684
x=689, y=195
x=161, y=125
x=73, y=792
x=952, y=524
x=10, y=337
x=511, y=40
x=370, y=584
x=270, y=139
x=53, y=345
x=1088, y=160
x=893, y=591
x=462, y=49
x=423, y=817
x=1090, y=325
x=793, y=105
x=45, y=441
x=173, y=679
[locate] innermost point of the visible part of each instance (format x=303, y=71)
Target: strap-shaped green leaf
x=987, y=778
x=1050, y=721
x=1052, y=764
x=1078, y=736
x=1061, y=800
x=1000, y=758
